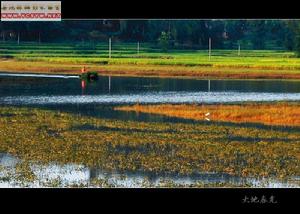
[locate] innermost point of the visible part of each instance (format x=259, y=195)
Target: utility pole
x=109, y=51
x=239, y=50
x=138, y=48
x=209, y=48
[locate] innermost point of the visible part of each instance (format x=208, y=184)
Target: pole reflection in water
x=109, y=83
x=83, y=86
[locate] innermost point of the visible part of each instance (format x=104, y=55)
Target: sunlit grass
x=103, y=68
x=281, y=114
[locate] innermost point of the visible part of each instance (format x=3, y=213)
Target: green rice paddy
x=126, y=53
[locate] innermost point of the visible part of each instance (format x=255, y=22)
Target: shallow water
x=72, y=174
x=152, y=97
x=43, y=84
x=63, y=93
x=64, y=89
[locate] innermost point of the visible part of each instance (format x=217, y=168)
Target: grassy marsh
x=45, y=136
x=279, y=113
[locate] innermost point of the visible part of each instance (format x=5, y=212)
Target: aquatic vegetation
x=24, y=173
x=166, y=183
x=45, y=136
x=279, y=113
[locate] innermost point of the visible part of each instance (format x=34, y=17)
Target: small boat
x=90, y=75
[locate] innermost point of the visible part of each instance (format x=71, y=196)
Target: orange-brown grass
x=282, y=114
x=148, y=70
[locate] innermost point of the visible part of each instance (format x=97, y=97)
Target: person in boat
x=83, y=69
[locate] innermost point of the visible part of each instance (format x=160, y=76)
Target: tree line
x=225, y=34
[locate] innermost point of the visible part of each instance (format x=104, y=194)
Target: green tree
x=297, y=45
x=164, y=40
x=294, y=40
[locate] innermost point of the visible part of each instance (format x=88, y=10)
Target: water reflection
x=27, y=89
x=109, y=83
x=150, y=97
x=7, y=160
x=83, y=86
x=38, y=75
x=31, y=86
x=99, y=97
x=71, y=174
